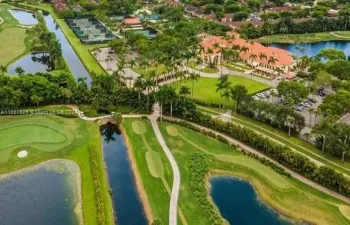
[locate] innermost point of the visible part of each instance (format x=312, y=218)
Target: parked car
x=312, y=100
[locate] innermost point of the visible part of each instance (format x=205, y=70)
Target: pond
x=32, y=63
x=73, y=61
x=43, y=194
x=312, y=49
x=24, y=17
x=126, y=201
x=239, y=204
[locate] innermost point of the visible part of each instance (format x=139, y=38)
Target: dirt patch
x=138, y=127
x=172, y=131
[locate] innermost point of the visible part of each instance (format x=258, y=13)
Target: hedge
x=199, y=170
x=101, y=211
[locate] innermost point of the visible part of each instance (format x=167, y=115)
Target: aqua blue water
x=69, y=54
x=23, y=17
x=31, y=63
x=36, y=198
x=312, y=49
x=127, y=204
x=238, y=203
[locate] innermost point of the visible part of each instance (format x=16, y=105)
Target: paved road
x=292, y=173
x=176, y=178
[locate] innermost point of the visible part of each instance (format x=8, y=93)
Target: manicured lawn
x=283, y=138
x=288, y=195
x=148, y=72
x=50, y=137
x=82, y=51
x=292, y=38
x=205, y=88
x=12, y=38
x=11, y=44
x=152, y=163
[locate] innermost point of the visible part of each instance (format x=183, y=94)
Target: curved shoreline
x=261, y=196
x=138, y=181
x=56, y=165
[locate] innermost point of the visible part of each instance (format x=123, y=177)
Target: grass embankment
x=50, y=137
x=82, y=51
x=283, y=138
x=288, y=195
x=205, y=88
x=161, y=69
x=306, y=38
x=206, y=69
x=13, y=42
x=152, y=165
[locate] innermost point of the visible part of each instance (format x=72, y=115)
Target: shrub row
x=322, y=175
x=199, y=170
x=101, y=214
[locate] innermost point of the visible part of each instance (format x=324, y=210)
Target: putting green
x=256, y=166
x=29, y=133
x=172, y=130
x=155, y=164
x=138, y=127
x=47, y=134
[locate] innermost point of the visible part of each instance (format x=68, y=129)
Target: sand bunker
x=22, y=154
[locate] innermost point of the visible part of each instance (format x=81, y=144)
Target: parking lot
x=303, y=108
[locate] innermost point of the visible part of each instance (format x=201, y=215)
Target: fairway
x=291, y=197
x=11, y=44
x=205, y=88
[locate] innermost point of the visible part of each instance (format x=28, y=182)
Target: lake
x=312, y=49
x=32, y=63
x=24, y=17
x=239, y=204
x=43, y=194
x=73, y=61
x=128, y=207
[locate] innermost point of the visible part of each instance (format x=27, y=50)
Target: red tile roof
x=132, y=21
x=283, y=56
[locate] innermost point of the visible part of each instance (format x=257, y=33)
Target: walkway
x=225, y=70
x=1, y=20
x=176, y=182
x=337, y=35
x=317, y=162
x=292, y=173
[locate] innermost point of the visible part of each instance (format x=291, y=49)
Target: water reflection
x=32, y=63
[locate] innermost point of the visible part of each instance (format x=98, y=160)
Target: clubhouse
x=270, y=61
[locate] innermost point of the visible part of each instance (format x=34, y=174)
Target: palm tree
x=19, y=70
x=55, y=52
x=238, y=92
x=226, y=87
x=139, y=86
x=272, y=60
x=290, y=123
x=149, y=84
x=184, y=90
x=132, y=63
x=120, y=70
x=244, y=49
x=194, y=78
x=3, y=69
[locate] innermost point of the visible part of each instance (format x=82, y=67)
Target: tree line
x=45, y=88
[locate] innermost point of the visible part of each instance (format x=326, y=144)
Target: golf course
x=45, y=137
x=291, y=197
x=11, y=35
